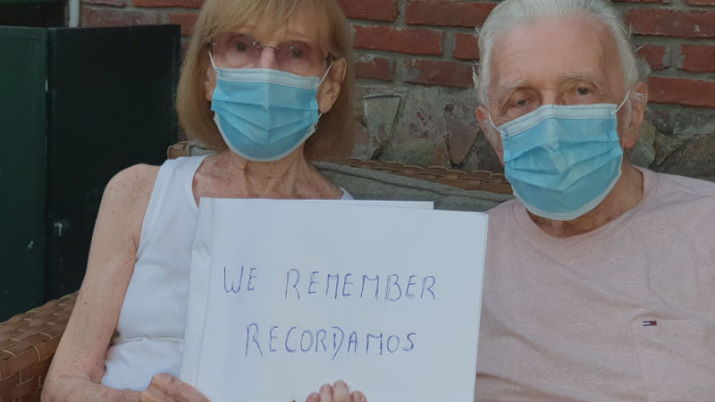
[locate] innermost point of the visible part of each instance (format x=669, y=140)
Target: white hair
x=513, y=13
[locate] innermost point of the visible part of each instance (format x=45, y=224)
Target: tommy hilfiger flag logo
x=650, y=323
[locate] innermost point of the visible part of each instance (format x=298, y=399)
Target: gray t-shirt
x=622, y=313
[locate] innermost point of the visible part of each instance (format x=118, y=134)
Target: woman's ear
x=210, y=83
x=638, y=102
x=490, y=132
x=329, y=90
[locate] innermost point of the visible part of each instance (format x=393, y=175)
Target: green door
x=23, y=166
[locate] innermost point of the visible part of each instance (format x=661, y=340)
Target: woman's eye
x=583, y=91
x=241, y=47
x=521, y=102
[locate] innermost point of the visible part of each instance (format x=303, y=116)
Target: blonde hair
x=334, y=135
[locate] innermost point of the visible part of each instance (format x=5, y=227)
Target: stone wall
x=414, y=60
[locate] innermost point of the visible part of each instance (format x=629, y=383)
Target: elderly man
x=600, y=281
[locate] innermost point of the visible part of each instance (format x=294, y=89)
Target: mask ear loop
x=494, y=126
x=325, y=75
x=211, y=56
x=625, y=99
x=212, y=60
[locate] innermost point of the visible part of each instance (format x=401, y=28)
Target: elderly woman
x=266, y=82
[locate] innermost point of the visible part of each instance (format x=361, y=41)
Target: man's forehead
x=553, y=48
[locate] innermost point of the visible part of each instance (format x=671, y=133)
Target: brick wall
x=414, y=61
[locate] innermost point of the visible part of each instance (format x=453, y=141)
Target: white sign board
x=286, y=296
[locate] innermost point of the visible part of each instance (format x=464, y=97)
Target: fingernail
x=313, y=397
x=325, y=388
x=340, y=384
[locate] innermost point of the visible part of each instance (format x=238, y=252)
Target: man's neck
x=626, y=194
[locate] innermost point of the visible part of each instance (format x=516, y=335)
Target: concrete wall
x=414, y=61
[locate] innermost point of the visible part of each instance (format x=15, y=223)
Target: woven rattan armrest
x=27, y=343
x=480, y=180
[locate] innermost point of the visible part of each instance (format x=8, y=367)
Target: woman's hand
x=338, y=392
x=167, y=388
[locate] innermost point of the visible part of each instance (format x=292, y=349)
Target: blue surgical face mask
x=263, y=114
x=562, y=161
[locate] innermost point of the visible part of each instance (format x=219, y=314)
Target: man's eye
x=583, y=91
x=296, y=52
x=520, y=102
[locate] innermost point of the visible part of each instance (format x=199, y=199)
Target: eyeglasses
x=236, y=50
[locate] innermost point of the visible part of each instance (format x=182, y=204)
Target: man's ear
x=329, y=90
x=632, y=128
x=210, y=83
x=490, y=131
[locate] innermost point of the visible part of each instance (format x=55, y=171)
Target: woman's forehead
x=266, y=29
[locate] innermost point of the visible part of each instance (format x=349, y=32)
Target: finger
x=149, y=395
x=358, y=396
x=187, y=393
x=156, y=391
x=180, y=391
x=341, y=392
x=153, y=395
x=161, y=382
x=166, y=387
x=326, y=393
x=313, y=398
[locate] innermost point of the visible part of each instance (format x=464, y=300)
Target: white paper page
x=195, y=314
x=267, y=323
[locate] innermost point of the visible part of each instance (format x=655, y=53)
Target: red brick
x=444, y=73
x=374, y=10
x=698, y=58
x=681, y=91
x=186, y=20
x=169, y=3
x=375, y=68
x=665, y=22
x=700, y=2
x=448, y=13
x=466, y=47
x=654, y=55
x=413, y=41
x=93, y=17
x=115, y=3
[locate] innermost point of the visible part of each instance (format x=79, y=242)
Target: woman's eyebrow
x=299, y=35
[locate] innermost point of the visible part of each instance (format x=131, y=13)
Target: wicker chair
x=28, y=341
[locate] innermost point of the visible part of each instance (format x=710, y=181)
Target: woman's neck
x=626, y=194
x=231, y=176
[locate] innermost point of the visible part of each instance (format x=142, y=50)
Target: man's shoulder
x=674, y=188
x=688, y=199
x=502, y=210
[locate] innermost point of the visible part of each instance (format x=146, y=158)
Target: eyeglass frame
x=329, y=59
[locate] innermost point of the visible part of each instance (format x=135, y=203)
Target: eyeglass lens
x=235, y=50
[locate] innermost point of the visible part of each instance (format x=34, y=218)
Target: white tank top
x=150, y=331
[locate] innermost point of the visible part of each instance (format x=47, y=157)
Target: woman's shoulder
x=126, y=196
x=133, y=181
